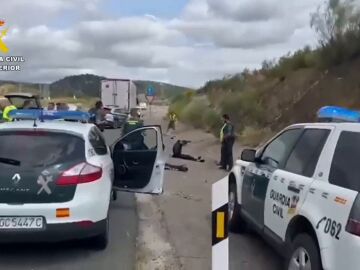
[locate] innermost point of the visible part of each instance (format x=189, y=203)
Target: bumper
x=54, y=233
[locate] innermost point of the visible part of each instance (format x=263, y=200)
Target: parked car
x=300, y=191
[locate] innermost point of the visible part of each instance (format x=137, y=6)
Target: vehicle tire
x=101, y=241
x=236, y=223
x=303, y=246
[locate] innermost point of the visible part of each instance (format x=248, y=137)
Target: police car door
x=139, y=161
x=256, y=178
x=290, y=185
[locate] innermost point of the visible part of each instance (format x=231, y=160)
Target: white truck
x=119, y=93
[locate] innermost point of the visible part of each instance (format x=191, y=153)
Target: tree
x=334, y=19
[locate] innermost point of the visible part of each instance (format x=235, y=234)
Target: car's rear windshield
x=19, y=101
x=39, y=148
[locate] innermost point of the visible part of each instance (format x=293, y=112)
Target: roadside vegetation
x=290, y=89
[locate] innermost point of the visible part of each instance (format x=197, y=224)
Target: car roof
x=53, y=125
x=21, y=95
x=339, y=125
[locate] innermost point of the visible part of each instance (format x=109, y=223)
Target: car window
x=97, y=141
x=279, y=149
x=144, y=139
x=35, y=149
x=345, y=169
x=303, y=159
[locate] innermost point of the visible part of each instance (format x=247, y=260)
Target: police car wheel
x=236, y=223
x=101, y=241
x=304, y=254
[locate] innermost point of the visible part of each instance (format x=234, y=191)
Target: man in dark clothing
x=227, y=138
x=177, y=148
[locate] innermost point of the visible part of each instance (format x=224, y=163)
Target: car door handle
x=135, y=163
x=294, y=189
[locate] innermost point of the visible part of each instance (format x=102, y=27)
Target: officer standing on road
x=9, y=107
x=133, y=122
x=227, y=138
x=172, y=121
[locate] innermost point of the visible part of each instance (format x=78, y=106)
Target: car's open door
x=139, y=161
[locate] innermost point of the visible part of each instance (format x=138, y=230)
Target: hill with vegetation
x=86, y=85
x=289, y=90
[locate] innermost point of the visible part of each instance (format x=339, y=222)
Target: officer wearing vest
x=133, y=123
x=172, y=121
x=227, y=138
x=6, y=113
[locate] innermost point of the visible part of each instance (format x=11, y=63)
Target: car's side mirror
x=248, y=155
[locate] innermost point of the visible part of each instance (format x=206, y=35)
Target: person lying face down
x=177, y=151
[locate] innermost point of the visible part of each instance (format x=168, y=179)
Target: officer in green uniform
x=6, y=117
x=133, y=122
x=227, y=138
x=172, y=121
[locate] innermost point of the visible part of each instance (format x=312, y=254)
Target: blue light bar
x=49, y=115
x=338, y=114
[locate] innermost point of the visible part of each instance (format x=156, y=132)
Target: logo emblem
x=3, y=33
x=44, y=181
x=16, y=178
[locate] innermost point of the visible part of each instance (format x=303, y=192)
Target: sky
x=184, y=42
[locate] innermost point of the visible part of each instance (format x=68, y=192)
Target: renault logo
x=16, y=178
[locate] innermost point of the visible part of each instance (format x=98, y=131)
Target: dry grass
x=253, y=137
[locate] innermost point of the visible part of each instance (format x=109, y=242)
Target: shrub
x=212, y=121
x=193, y=113
x=254, y=136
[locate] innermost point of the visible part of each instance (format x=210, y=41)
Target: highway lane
x=120, y=253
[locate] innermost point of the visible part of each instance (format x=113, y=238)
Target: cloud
x=207, y=40
x=245, y=10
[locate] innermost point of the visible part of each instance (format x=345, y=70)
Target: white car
x=57, y=178
x=300, y=191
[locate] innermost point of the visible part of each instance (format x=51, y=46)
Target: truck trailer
x=119, y=93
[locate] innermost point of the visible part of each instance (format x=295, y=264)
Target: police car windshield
x=39, y=149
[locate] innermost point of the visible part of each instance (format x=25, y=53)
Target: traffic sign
x=150, y=99
x=150, y=91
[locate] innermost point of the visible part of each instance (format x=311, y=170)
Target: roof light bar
x=49, y=115
x=338, y=114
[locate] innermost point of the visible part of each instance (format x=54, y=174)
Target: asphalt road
x=120, y=253
x=250, y=252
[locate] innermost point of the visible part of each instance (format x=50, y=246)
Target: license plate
x=8, y=223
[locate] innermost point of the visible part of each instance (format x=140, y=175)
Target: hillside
x=287, y=90
x=86, y=85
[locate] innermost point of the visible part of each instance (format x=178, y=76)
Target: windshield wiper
x=10, y=161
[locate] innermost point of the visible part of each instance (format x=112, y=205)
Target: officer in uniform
x=172, y=121
x=133, y=122
x=227, y=138
x=7, y=111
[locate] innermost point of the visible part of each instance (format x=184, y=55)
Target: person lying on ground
x=171, y=167
x=177, y=152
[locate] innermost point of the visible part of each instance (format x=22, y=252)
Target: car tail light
x=79, y=174
x=353, y=224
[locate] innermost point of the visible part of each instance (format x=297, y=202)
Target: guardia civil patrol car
x=300, y=191
x=57, y=177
